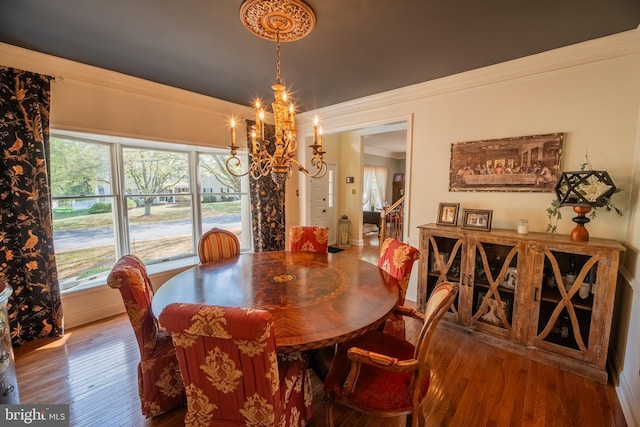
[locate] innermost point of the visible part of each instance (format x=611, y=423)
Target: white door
x=323, y=202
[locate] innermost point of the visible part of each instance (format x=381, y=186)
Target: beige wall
x=590, y=91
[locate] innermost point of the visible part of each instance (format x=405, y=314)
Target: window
x=159, y=222
x=374, y=184
x=227, y=209
x=83, y=221
x=116, y=196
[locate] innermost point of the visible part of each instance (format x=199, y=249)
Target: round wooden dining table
x=315, y=299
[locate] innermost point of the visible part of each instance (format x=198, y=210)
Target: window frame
x=119, y=196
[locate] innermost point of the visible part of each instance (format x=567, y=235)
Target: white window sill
x=152, y=269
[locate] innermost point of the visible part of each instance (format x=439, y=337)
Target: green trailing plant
x=554, y=211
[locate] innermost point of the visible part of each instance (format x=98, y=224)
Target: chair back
x=129, y=276
x=438, y=303
x=229, y=366
x=217, y=244
x=159, y=383
x=397, y=258
x=309, y=239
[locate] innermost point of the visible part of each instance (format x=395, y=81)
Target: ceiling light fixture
x=286, y=21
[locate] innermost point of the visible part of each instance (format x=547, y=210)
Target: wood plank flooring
x=93, y=368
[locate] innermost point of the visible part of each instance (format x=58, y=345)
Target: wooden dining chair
x=231, y=371
x=397, y=258
x=217, y=244
x=381, y=374
x=159, y=382
x=309, y=239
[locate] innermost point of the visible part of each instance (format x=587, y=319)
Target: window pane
x=79, y=168
x=222, y=202
x=160, y=226
x=83, y=238
x=155, y=172
x=167, y=232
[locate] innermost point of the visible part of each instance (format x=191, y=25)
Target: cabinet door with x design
x=495, y=274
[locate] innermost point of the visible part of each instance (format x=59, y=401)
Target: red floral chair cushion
x=159, y=382
x=309, y=239
x=217, y=244
x=397, y=258
x=382, y=374
x=231, y=371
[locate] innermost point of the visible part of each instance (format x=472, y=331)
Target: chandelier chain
x=278, y=75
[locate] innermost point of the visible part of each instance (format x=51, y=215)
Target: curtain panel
x=267, y=203
x=27, y=259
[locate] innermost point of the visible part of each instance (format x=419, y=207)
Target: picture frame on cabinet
x=510, y=279
x=477, y=219
x=448, y=214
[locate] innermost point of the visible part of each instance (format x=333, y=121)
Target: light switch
x=353, y=191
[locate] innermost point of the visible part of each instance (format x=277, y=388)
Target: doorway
x=323, y=202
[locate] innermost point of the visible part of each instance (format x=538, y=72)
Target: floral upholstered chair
x=217, y=244
x=381, y=374
x=397, y=258
x=231, y=371
x=308, y=239
x=159, y=381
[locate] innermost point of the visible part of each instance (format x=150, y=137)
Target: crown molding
x=587, y=53
x=67, y=71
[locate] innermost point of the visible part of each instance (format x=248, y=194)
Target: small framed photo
x=448, y=214
x=477, y=219
x=511, y=278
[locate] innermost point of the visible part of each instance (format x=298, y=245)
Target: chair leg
x=409, y=422
x=328, y=411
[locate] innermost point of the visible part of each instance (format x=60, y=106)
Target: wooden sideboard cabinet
x=537, y=294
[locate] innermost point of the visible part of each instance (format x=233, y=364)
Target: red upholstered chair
x=217, y=244
x=159, y=381
x=397, y=258
x=382, y=374
x=309, y=239
x=231, y=371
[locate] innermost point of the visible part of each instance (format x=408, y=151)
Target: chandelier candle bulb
x=320, y=137
x=233, y=132
x=261, y=116
x=291, y=116
x=257, y=126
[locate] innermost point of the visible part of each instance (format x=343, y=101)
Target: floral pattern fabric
x=309, y=239
x=232, y=373
x=27, y=257
x=159, y=382
x=397, y=258
x=267, y=203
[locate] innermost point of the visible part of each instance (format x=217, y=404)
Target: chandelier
x=277, y=20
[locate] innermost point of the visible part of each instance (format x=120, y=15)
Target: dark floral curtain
x=267, y=203
x=27, y=260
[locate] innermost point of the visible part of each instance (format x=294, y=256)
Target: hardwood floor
x=93, y=368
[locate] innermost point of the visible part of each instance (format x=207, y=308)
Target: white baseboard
x=628, y=402
x=89, y=305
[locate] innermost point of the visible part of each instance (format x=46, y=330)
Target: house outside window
x=115, y=196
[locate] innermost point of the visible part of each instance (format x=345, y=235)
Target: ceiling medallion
x=277, y=20
x=291, y=20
